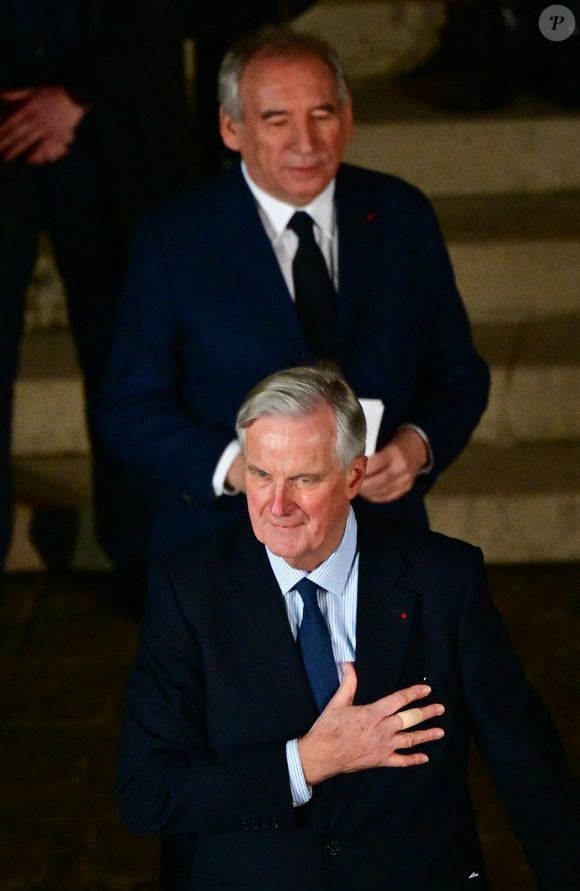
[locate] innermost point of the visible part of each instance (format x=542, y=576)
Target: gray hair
x=298, y=392
x=273, y=43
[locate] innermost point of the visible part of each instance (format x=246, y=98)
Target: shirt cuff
x=218, y=480
x=428, y=467
x=301, y=791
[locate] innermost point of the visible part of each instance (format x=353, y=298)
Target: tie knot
x=302, y=224
x=308, y=591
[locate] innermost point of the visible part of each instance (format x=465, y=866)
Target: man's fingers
x=15, y=95
x=410, y=717
x=17, y=147
x=345, y=693
x=376, y=463
x=394, y=702
x=398, y=760
x=409, y=741
x=418, y=737
x=18, y=133
x=18, y=120
x=413, y=716
x=383, y=487
x=392, y=706
x=44, y=154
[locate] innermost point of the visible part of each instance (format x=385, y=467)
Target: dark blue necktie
x=315, y=646
x=314, y=292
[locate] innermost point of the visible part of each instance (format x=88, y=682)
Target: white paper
x=373, y=410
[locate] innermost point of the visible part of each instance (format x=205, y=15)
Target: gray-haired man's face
x=298, y=493
x=294, y=128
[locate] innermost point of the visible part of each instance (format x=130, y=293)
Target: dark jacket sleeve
x=452, y=386
x=170, y=779
x=144, y=417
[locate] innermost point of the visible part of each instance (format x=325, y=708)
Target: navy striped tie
x=315, y=645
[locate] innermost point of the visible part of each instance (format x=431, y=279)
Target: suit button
x=275, y=823
x=333, y=848
x=245, y=825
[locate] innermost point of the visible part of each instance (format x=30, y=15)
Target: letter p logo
x=557, y=23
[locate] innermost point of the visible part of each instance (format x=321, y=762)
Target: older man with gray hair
x=290, y=257
x=290, y=665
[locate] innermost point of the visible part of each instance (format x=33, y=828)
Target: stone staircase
x=506, y=188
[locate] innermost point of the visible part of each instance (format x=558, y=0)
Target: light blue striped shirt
x=338, y=576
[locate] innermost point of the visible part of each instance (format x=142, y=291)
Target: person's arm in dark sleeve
x=144, y=418
x=170, y=779
x=453, y=385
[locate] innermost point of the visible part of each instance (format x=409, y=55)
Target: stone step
x=466, y=156
x=511, y=218
x=516, y=256
x=535, y=373
x=377, y=37
x=471, y=157
x=519, y=504
x=516, y=281
x=535, y=370
x=61, y=483
x=49, y=400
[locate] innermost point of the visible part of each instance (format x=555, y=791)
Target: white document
x=373, y=410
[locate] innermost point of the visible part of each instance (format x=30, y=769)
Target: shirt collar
x=332, y=574
x=279, y=212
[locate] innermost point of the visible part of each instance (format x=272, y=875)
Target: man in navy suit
x=209, y=301
x=236, y=727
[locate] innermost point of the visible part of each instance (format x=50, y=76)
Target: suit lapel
x=257, y=610
x=384, y=619
x=247, y=247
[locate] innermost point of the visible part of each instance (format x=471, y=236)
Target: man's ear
x=229, y=131
x=348, y=122
x=355, y=476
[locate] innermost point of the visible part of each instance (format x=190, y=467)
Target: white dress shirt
x=338, y=576
x=275, y=216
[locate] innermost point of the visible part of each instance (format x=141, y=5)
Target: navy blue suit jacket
x=218, y=687
x=207, y=315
